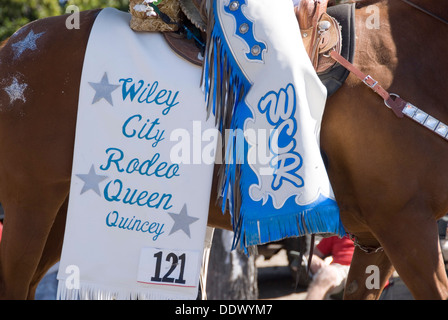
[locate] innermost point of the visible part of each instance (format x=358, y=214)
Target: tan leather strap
x=396, y=104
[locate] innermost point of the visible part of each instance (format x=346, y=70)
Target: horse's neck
x=418, y=51
x=428, y=4
x=438, y=8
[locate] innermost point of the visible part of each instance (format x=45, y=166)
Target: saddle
x=320, y=32
x=323, y=27
x=335, y=74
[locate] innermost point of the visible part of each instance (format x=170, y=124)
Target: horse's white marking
x=15, y=90
x=28, y=43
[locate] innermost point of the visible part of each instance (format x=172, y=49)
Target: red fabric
x=341, y=249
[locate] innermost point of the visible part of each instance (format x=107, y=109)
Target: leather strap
x=396, y=104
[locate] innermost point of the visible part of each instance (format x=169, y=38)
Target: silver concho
x=255, y=50
x=244, y=27
x=234, y=5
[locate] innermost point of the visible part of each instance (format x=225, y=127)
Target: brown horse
x=388, y=174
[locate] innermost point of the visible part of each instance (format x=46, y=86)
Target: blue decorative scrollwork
x=244, y=29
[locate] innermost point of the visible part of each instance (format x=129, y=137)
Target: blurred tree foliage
x=16, y=13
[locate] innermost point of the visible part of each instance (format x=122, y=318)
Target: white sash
x=140, y=190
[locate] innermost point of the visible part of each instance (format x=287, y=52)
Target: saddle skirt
x=257, y=79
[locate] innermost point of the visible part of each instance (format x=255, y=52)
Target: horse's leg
x=52, y=250
x=28, y=222
x=421, y=266
x=361, y=284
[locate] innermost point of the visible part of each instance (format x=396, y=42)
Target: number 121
x=174, y=259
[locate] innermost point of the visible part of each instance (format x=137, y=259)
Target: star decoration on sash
x=91, y=181
x=103, y=90
x=28, y=43
x=182, y=221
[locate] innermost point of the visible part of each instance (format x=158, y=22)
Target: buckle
x=396, y=104
x=369, y=78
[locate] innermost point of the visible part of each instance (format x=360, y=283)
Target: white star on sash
x=91, y=181
x=182, y=221
x=103, y=89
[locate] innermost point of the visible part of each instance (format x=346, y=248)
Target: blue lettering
x=130, y=135
x=131, y=91
x=117, y=192
x=145, y=168
x=147, y=132
x=154, y=228
x=114, y=192
x=114, y=223
x=279, y=108
x=153, y=95
x=113, y=158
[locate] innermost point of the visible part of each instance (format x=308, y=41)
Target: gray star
x=91, y=180
x=103, y=89
x=15, y=90
x=29, y=42
x=182, y=221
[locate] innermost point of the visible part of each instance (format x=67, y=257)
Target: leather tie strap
x=396, y=104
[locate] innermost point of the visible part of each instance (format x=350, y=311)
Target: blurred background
x=16, y=13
